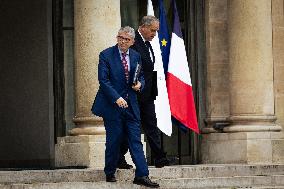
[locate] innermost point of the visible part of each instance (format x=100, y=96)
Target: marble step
x=237, y=182
x=172, y=172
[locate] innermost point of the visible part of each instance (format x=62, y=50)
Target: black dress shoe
x=124, y=165
x=145, y=181
x=159, y=163
x=110, y=178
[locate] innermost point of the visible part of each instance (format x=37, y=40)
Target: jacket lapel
x=118, y=64
x=145, y=52
x=132, y=65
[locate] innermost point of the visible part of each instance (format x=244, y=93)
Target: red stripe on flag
x=182, y=102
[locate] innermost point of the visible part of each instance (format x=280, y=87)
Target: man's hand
x=121, y=103
x=137, y=86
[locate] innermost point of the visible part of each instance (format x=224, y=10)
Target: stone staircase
x=227, y=176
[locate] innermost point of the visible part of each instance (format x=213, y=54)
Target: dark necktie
x=148, y=44
x=125, y=66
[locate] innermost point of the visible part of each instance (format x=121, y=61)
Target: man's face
x=149, y=32
x=124, y=41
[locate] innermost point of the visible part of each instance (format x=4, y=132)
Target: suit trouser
x=124, y=127
x=149, y=125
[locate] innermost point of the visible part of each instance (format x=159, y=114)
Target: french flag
x=178, y=80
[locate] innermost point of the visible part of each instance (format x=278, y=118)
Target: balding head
x=148, y=27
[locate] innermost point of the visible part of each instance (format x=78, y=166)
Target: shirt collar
x=141, y=36
x=120, y=52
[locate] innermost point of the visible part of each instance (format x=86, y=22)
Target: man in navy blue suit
x=116, y=102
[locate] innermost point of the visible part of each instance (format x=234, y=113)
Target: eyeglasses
x=120, y=38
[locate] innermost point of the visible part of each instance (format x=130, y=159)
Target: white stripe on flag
x=150, y=9
x=162, y=106
x=180, y=68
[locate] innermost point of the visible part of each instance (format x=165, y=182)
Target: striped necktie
x=125, y=66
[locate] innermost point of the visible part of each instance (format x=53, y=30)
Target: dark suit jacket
x=113, y=84
x=150, y=91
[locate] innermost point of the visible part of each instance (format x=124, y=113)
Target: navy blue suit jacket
x=113, y=84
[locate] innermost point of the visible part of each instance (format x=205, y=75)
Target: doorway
x=184, y=145
x=63, y=42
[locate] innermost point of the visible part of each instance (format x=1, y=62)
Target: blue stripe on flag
x=164, y=37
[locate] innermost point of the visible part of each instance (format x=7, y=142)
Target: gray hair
x=148, y=20
x=127, y=29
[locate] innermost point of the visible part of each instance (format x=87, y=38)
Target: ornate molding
x=91, y=125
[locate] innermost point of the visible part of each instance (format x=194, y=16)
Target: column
x=252, y=136
x=96, y=25
x=251, y=66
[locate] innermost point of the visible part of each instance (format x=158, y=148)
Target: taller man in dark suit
x=146, y=32
x=116, y=102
